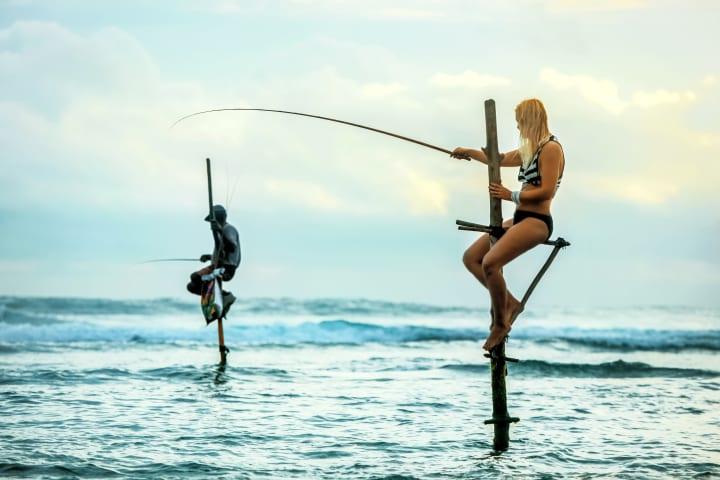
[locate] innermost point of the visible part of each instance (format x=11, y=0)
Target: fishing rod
x=330, y=119
x=155, y=260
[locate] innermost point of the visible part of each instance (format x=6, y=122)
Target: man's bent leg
x=196, y=283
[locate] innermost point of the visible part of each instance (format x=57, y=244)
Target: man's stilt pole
x=221, y=336
x=221, y=343
x=500, y=417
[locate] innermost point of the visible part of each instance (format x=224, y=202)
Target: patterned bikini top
x=531, y=174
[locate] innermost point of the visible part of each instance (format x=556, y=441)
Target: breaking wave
x=617, y=369
x=344, y=332
x=45, y=323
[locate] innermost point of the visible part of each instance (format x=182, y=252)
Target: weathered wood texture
x=498, y=368
x=221, y=336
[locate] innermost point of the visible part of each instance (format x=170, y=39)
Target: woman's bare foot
x=500, y=329
x=497, y=335
x=515, y=308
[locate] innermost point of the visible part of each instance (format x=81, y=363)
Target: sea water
x=355, y=388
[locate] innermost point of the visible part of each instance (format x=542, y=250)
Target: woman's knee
x=474, y=254
x=490, y=265
x=471, y=259
x=468, y=258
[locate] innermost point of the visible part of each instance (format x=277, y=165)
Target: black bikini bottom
x=521, y=215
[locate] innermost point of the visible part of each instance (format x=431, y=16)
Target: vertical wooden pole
x=221, y=336
x=221, y=343
x=500, y=416
x=493, y=154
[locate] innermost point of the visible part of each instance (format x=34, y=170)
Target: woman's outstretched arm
x=509, y=159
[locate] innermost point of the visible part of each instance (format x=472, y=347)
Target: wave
x=203, y=374
x=624, y=339
x=342, y=332
x=328, y=332
x=41, y=310
x=657, y=340
x=617, y=369
x=89, y=376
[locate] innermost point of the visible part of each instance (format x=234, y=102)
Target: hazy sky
x=93, y=180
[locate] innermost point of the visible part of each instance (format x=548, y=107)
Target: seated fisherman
x=225, y=255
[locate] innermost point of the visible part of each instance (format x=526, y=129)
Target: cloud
x=606, y=93
x=594, y=5
x=468, y=79
x=86, y=117
x=409, y=14
x=662, y=97
x=382, y=90
x=375, y=9
x=425, y=195
x=710, y=80
x=642, y=190
x=599, y=92
x=305, y=194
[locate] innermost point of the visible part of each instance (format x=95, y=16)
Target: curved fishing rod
x=372, y=129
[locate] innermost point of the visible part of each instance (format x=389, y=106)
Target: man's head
x=220, y=214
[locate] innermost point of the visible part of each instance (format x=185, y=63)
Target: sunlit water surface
x=352, y=389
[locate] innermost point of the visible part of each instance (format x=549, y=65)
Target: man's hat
x=220, y=214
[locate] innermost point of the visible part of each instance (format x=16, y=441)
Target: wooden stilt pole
x=221, y=337
x=221, y=343
x=500, y=417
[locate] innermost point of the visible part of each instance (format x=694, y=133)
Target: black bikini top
x=531, y=174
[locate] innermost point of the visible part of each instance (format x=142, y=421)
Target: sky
x=94, y=181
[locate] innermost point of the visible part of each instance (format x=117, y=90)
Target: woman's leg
x=517, y=240
x=473, y=259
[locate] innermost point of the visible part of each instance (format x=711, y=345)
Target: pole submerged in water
x=501, y=419
x=221, y=337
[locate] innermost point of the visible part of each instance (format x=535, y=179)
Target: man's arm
x=217, y=233
x=231, y=244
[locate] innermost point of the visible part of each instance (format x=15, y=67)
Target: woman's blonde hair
x=532, y=121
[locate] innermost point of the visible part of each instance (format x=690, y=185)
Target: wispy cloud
x=303, y=193
x=662, y=97
x=642, y=190
x=594, y=5
x=382, y=90
x=600, y=92
x=468, y=79
x=605, y=93
x=398, y=13
x=710, y=80
x=425, y=195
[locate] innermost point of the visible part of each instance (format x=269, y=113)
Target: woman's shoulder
x=552, y=147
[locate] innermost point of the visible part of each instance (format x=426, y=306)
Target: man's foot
x=228, y=300
x=497, y=335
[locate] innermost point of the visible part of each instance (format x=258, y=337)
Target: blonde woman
x=541, y=161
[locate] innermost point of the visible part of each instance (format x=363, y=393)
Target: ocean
x=352, y=388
